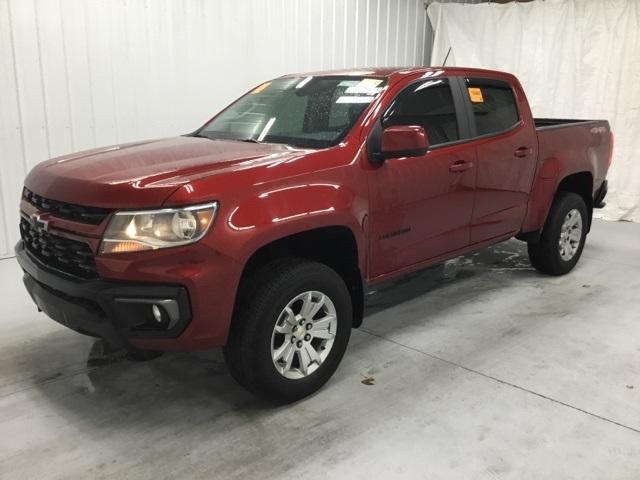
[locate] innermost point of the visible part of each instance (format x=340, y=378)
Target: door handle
x=523, y=152
x=460, y=166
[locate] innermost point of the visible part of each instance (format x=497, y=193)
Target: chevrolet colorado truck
x=260, y=231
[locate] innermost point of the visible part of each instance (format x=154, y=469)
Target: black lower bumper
x=114, y=311
x=598, y=201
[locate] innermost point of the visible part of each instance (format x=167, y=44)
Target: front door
x=421, y=207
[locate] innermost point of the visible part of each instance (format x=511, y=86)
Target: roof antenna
x=445, y=58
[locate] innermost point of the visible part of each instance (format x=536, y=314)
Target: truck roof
x=398, y=71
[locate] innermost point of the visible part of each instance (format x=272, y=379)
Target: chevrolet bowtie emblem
x=39, y=222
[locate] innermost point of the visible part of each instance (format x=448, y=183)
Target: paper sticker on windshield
x=370, y=82
x=368, y=86
x=260, y=88
x=354, y=99
x=348, y=83
x=475, y=94
x=362, y=90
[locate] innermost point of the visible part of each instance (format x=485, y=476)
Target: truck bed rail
x=542, y=123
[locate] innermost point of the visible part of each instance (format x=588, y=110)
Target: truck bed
x=544, y=123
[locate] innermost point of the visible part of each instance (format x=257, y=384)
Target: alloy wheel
x=303, y=335
x=570, y=235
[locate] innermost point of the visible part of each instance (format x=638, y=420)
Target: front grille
x=69, y=256
x=92, y=215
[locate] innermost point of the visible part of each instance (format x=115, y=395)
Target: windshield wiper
x=249, y=140
x=199, y=136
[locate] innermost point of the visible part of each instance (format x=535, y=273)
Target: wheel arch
x=546, y=190
x=580, y=183
x=335, y=246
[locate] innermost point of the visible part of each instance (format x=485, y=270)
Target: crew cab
x=260, y=231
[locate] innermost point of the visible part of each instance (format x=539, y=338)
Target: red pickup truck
x=260, y=231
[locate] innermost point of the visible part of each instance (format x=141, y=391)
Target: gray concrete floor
x=481, y=368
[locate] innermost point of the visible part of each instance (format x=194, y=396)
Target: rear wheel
x=290, y=331
x=563, y=237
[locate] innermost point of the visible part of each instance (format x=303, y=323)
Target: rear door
x=506, y=151
x=420, y=207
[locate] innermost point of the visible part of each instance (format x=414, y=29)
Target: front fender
x=279, y=212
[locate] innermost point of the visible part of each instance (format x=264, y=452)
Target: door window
x=493, y=104
x=429, y=105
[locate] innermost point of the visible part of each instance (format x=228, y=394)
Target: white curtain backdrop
x=575, y=59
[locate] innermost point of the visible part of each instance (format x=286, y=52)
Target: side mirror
x=403, y=141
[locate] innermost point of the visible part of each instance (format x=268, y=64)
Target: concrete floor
x=481, y=368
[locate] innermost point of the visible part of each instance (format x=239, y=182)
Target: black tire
x=261, y=300
x=545, y=254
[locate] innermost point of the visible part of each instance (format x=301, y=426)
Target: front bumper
x=119, y=312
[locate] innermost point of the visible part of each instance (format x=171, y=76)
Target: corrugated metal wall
x=75, y=74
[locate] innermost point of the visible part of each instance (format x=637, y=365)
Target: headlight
x=152, y=229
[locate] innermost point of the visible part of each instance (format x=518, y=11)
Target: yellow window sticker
x=368, y=86
x=475, y=94
x=370, y=82
x=260, y=88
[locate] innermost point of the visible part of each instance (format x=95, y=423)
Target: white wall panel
x=76, y=74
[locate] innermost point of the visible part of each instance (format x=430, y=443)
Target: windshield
x=308, y=112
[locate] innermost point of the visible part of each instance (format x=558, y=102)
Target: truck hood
x=145, y=174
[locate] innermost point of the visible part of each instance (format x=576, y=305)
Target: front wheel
x=563, y=237
x=290, y=331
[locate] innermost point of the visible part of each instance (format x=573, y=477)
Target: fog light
x=160, y=316
x=149, y=313
x=157, y=313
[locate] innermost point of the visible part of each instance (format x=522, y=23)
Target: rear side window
x=494, y=105
x=427, y=104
